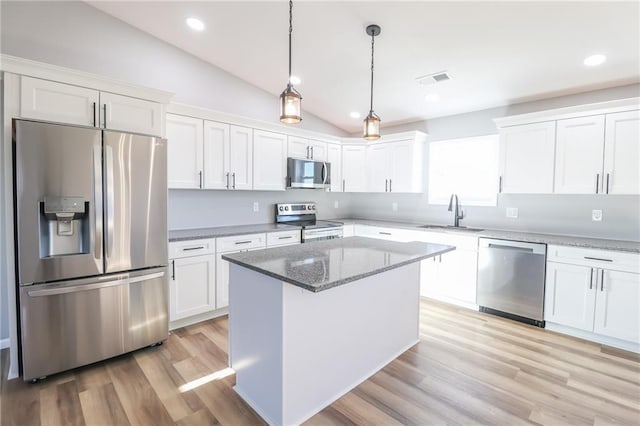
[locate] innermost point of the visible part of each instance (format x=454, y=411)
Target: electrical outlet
x=394, y=207
x=256, y=206
x=512, y=212
x=335, y=204
x=596, y=215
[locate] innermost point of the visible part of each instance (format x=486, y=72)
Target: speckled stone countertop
x=561, y=240
x=322, y=265
x=226, y=231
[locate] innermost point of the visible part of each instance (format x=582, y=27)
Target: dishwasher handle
x=530, y=248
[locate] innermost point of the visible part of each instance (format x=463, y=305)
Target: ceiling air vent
x=438, y=77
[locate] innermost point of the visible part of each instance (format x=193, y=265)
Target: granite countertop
x=531, y=237
x=227, y=231
x=322, y=265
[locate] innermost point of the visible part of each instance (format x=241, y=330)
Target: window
x=467, y=167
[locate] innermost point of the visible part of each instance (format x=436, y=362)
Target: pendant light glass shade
x=372, y=122
x=290, y=99
x=290, y=103
x=372, y=127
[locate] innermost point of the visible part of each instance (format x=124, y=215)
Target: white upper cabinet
x=622, y=153
x=241, y=157
x=130, y=114
x=65, y=103
x=269, y=161
x=395, y=167
x=184, y=153
x=334, y=157
x=306, y=149
x=579, y=151
x=527, y=155
x=353, y=168
x=216, y=155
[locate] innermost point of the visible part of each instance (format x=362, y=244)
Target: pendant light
x=372, y=122
x=290, y=99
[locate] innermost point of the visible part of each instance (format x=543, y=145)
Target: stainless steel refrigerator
x=91, y=234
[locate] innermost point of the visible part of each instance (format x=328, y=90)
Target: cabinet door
x=119, y=112
x=406, y=167
x=527, y=158
x=379, y=158
x=298, y=147
x=222, y=282
x=241, y=158
x=334, y=157
x=269, y=161
x=570, y=295
x=216, y=155
x=457, y=276
x=429, y=278
x=622, y=153
x=192, y=286
x=63, y=103
x=353, y=168
x=579, y=155
x=617, y=305
x=318, y=150
x=184, y=152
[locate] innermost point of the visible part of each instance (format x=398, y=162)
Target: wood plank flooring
x=469, y=368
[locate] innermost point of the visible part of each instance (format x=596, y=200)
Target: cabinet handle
x=227, y=180
x=601, y=279
x=591, y=279
x=386, y=182
x=312, y=152
x=285, y=238
x=242, y=242
x=307, y=152
x=597, y=182
x=233, y=175
x=440, y=258
x=94, y=114
x=384, y=233
x=200, y=177
x=343, y=190
x=173, y=269
x=500, y=185
x=598, y=258
x=192, y=248
x=607, y=184
x=390, y=182
x=105, y=117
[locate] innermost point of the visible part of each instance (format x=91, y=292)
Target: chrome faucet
x=457, y=211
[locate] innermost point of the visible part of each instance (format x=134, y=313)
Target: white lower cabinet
x=192, y=287
x=597, y=296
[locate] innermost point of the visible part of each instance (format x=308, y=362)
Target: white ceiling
x=497, y=53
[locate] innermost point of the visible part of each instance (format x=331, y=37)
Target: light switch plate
x=256, y=206
x=512, y=212
x=394, y=207
x=596, y=215
x=335, y=204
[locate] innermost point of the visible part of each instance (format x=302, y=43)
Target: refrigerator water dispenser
x=64, y=226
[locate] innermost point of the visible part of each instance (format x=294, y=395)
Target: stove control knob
x=280, y=208
x=312, y=207
x=287, y=208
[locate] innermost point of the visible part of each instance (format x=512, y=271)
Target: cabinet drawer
x=240, y=242
x=282, y=238
x=384, y=233
x=190, y=248
x=607, y=259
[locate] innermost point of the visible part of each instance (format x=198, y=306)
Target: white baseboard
x=593, y=337
x=4, y=343
x=183, y=322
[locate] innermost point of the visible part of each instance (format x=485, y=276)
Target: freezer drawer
x=74, y=323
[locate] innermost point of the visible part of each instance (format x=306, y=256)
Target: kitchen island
x=308, y=323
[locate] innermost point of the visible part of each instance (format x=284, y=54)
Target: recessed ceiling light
x=593, y=60
x=295, y=80
x=354, y=114
x=432, y=97
x=195, y=24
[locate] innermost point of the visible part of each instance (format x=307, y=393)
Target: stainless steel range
x=304, y=215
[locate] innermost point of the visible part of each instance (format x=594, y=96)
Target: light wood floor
x=469, y=368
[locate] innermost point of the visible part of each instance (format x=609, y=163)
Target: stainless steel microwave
x=308, y=174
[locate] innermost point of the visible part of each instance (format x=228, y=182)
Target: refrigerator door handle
x=86, y=287
x=109, y=189
x=97, y=201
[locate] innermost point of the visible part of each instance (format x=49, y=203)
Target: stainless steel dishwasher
x=511, y=279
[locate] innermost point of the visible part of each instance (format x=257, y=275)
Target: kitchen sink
x=451, y=228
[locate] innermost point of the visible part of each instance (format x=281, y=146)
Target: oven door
x=308, y=174
x=309, y=235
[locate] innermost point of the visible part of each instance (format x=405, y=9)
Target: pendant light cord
x=290, y=31
x=371, y=105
